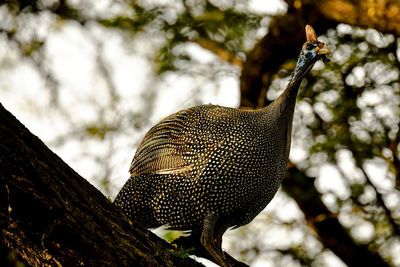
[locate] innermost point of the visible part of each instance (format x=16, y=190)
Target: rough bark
x=51, y=216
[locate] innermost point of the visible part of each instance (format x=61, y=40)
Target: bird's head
x=311, y=52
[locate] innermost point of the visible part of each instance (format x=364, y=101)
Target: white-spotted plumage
x=208, y=168
x=206, y=158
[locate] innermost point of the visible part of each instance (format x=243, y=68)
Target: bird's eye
x=309, y=46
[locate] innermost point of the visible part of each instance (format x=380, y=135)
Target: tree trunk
x=51, y=216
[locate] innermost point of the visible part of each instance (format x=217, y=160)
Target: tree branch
x=330, y=232
x=52, y=216
x=381, y=15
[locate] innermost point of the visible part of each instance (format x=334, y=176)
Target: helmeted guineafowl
x=209, y=168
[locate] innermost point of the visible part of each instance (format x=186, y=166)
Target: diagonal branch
x=381, y=202
x=330, y=232
x=57, y=218
x=221, y=52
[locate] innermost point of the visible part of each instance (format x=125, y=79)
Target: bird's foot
x=187, y=243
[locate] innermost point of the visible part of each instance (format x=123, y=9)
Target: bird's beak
x=324, y=50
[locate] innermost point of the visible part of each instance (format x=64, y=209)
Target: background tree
x=91, y=77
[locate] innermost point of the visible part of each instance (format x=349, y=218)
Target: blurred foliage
x=137, y=22
x=99, y=131
x=347, y=118
x=226, y=28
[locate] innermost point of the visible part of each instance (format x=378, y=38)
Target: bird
x=208, y=168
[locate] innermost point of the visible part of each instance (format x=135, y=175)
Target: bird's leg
x=232, y=261
x=207, y=239
x=193, y=241
x=218, y=242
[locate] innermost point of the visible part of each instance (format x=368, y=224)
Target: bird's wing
x=174, y=144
